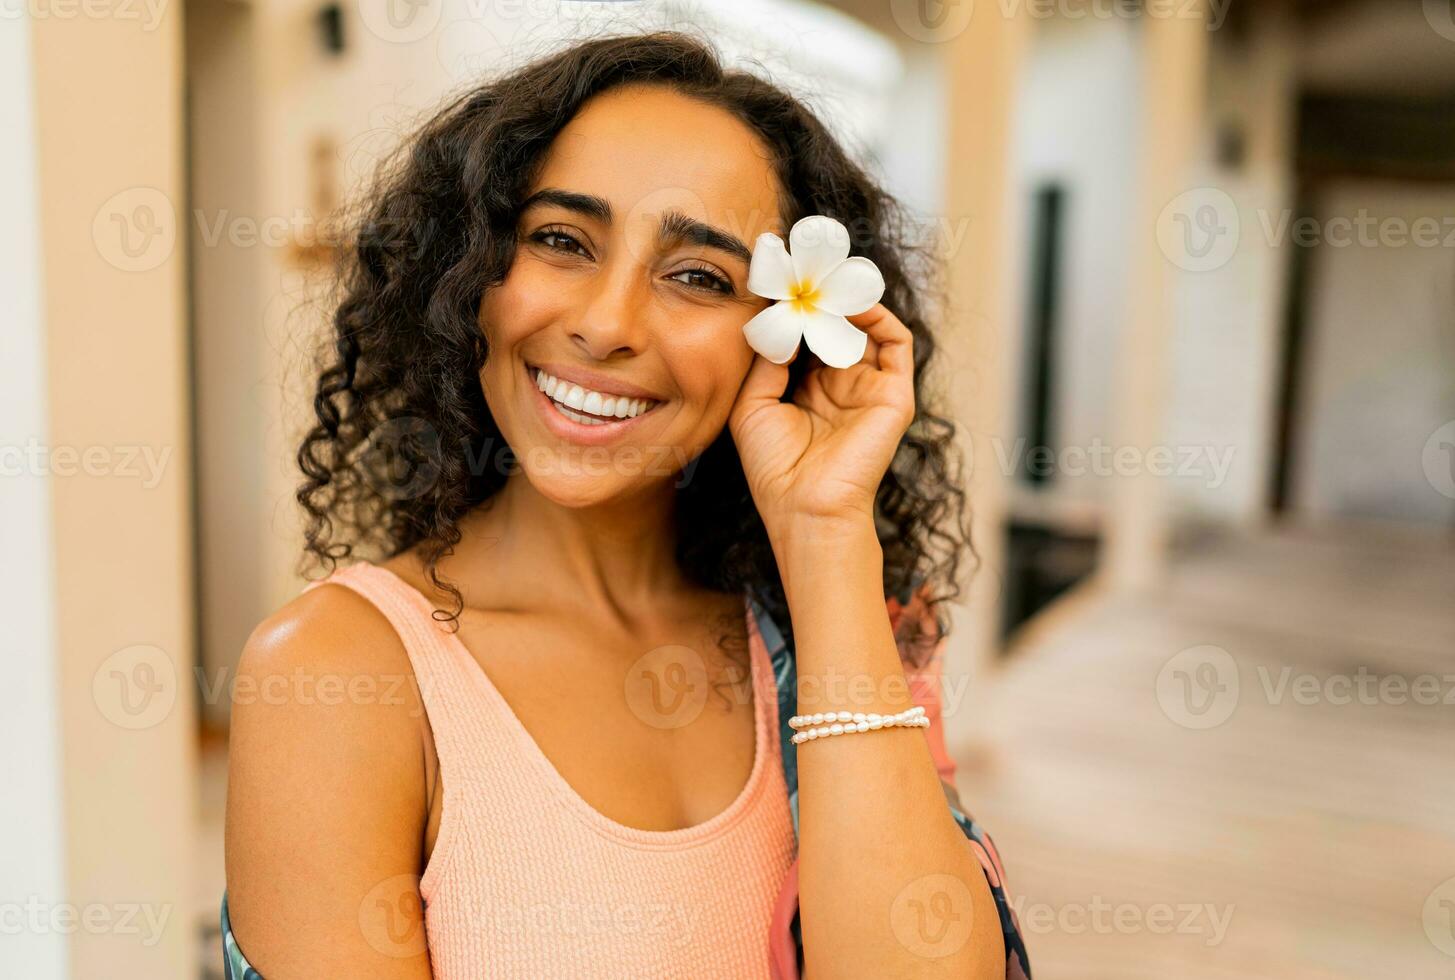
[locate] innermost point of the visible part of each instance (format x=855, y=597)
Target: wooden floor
x=1292, y=840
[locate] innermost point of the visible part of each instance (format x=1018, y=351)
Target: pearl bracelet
x=829, y=723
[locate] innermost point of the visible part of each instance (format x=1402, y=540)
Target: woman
x=520, y=771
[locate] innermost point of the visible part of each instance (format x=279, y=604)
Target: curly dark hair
x=399, y=380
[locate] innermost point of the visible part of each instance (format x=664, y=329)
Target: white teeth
x=572, y=396
x=576, y=416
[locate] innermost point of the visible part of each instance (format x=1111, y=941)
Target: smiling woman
x=609, y=510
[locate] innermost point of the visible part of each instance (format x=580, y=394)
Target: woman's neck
x=616, y=558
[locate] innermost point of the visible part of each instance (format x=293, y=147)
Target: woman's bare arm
x=889, y=885
x=327, y=796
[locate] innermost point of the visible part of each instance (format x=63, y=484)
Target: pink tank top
x=528, y=880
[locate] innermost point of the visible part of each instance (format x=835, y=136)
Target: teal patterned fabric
x=236, y=966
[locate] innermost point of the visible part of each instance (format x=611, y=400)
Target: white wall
x=1380, y=369
x=1075, y=126
x=1230, y=316
x=31, y=860
x=911, y=148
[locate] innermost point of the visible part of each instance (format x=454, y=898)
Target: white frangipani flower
x=816, y=287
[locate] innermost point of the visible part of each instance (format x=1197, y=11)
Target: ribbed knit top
x=528, y=880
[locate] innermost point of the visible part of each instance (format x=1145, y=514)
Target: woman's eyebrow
x=588, y=204
x=673, y=227
x=676, y=227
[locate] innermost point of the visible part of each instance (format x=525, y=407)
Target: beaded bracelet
x=829, y=723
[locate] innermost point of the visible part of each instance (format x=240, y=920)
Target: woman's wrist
x=813, y=548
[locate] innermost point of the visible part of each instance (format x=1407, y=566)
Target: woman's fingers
x=763, y=386
x=891, y=345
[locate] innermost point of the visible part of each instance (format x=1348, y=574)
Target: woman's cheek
x=522, y=303
x=712, y=365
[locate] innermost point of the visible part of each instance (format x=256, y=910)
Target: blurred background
x=1200, y=342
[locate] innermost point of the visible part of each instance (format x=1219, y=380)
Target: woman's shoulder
x=328, y=624
x=327, y=663
x=324, y=690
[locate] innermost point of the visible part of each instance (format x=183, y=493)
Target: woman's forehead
x=649, y=149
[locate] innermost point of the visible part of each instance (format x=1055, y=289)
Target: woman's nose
x=613, y=319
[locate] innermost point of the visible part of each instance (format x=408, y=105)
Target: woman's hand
x=823, y=455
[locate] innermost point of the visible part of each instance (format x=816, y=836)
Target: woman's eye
x=704, y=279
x=559, y=241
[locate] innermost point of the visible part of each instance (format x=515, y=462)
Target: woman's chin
x=585, y=489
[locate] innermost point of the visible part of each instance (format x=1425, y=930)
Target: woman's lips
x=581, y=433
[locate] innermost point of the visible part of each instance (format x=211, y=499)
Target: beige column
x=108, y=106
x=1170, y=124
x=982, y=62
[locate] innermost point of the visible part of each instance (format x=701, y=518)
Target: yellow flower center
x=804, y=296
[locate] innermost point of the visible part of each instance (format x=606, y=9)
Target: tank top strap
x=445, y=683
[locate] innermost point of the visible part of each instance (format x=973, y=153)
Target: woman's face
x=629, y=282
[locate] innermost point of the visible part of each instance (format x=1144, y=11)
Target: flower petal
x=818, y=243
x=775, y=332
x=853, y=287
x=770, y=273
x=836, y=341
